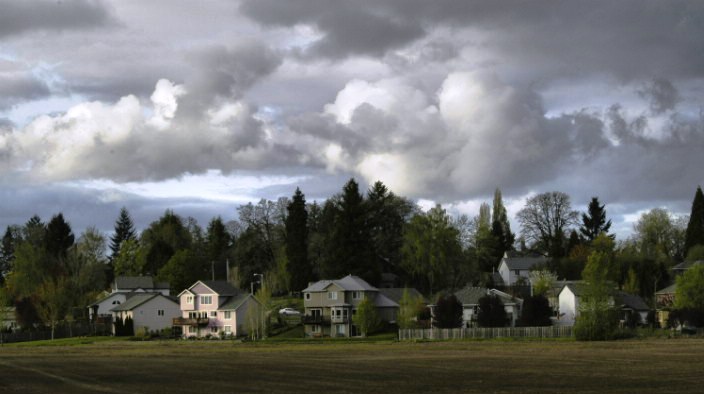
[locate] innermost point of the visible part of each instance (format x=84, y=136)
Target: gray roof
x=134, y=282
x=134, y=301
x=233, y=303
x=685, y=265
x=470, y=295
x=221, y=287
x=631, y=301
x=671, y=289
x=348, y=283
x=396, y=293
x=382, y=301
x=523, y=263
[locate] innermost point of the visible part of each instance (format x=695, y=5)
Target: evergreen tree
x=536, y=312
x=58, y=239
x=297, y=242
x=7, y=251
x=501, y=228
x=491, y=312
x=695, y=227
x=350, y=241
x=447, y=312
x=386, y=218
x=217, y=247
x=594, y=221
x=124, y=230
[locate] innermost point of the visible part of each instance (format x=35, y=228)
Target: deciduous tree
x=544, y=220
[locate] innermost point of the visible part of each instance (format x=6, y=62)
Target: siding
x=146, y=314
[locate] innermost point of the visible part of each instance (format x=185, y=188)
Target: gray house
x=330, y=305
x=469, y=298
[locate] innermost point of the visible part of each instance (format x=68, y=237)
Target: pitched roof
x=233, y=303
x=523, y=263
x=221, y=287
x=348, y=283
x=685, y=265
x=396, y=293
x=470, y=295
x=134, y=301
x=382, y=301
x=671, y=289
x=134, y=282
x=631, y=301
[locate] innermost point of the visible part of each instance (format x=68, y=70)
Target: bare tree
x=545, y=218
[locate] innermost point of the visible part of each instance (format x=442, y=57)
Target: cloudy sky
x=202, y=106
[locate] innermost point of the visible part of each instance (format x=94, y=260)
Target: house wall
x=146, y=315
x=505, y=273
x=109, y=303
x=186, y=306
x=569, y=307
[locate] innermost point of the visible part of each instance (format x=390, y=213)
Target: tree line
x=50, y=275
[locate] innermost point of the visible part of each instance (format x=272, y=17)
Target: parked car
x=289, y=312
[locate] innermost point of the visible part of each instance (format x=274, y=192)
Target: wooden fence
x=486, y=333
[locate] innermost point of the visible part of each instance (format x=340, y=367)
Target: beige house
x=330, y=305
x=148, y=311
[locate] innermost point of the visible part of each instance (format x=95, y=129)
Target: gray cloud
x=21, y=16
x=661, y=95
x=18, y=85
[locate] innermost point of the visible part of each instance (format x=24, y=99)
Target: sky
x=202, y=106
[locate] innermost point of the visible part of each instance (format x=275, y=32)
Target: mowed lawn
x=638, y=366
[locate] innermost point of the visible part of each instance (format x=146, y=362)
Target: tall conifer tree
x=594, y=221
x=297, y=242
x=124, y=230
x=695, y=228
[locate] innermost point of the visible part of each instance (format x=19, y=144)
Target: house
x=516, y=268
x=469, y=297
x=628, y=305
x=213, y=308
x=148, y=311
x=664, y=303
x=682, y=267
x=8, y=319
x=330, y=305
x=124, y=287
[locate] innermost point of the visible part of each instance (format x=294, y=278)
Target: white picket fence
x=486, y=333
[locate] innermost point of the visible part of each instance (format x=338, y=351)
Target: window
x=517, y=272
x=315, y=329
x=228, y=329
x=307, y=296
x=214, y=329
x=228, y=315
x=206, y=300
x=191, y=330
x=116, y=302
x=340, y=329
x=160, y=312
x=192, y=315
x=357, y=295
x=213, y=314
x=332, y=295
x=203, y=315
x=189, y=299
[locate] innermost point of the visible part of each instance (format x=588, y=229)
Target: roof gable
x=348, y=283
x=219, y=287
x=523, y=263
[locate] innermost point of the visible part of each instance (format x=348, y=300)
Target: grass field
x=91, y=365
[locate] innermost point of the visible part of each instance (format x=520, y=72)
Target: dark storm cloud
x=20, y=16
x=625, y=38
x=661, y=95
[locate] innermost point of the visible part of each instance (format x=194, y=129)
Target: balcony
x=315, y=319
x=182, y=321
x=340, y=319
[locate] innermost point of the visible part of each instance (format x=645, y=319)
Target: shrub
x=491, y=312
x=536, y=312
x=448, y=312
x=596, y=325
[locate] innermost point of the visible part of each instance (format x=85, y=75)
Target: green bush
x=597, y=325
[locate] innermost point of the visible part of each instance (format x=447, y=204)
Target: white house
x=513, y=267
x=469, y=297
x=572, y=295
x=212, y=308
x=123, y=287
x=148, y=311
